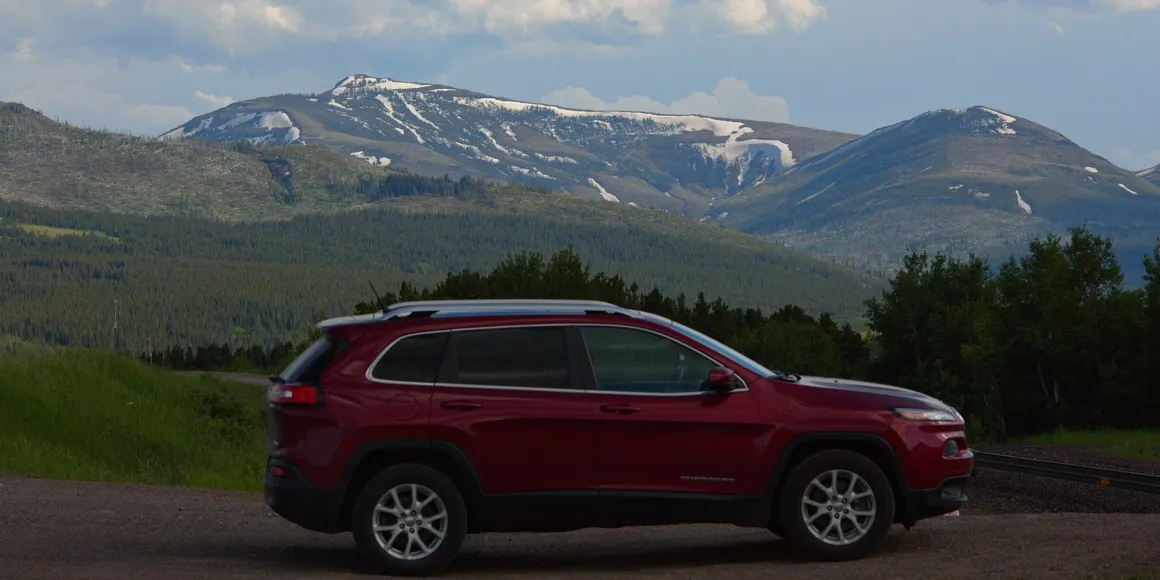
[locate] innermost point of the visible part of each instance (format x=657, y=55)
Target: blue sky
x=1083, y=67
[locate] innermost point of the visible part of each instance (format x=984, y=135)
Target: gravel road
x=54, y=529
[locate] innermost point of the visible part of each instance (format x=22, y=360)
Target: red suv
x=417, y=425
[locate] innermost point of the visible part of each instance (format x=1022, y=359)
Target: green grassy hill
x=87, y=415
x=61, y=166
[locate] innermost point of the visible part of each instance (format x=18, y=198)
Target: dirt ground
x=72, y=530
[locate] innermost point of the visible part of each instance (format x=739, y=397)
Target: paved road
x=54, y=529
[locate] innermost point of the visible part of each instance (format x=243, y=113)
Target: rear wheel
x=836, y=505
x=409, y=520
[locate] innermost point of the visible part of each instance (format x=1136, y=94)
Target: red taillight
x=277, y=471
x=283, y=394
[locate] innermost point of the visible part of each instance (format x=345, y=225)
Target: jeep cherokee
x=414, y=426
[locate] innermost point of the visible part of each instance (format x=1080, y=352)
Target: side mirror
x=723, y=380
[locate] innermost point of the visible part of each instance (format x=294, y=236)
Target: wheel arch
x=874, y=447
x=372, y=457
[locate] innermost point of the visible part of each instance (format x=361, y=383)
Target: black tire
x=364, y=516
x=790, y=505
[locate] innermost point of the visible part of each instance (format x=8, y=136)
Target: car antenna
x=377, y=297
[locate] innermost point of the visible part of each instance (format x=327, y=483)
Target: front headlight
x=931, y=415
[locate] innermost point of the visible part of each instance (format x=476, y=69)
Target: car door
x=511, y=399
x=657, y=428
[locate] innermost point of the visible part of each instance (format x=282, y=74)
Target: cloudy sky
x=1084, y=67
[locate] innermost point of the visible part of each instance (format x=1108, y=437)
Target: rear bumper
x=296, y=500
x=948, y=496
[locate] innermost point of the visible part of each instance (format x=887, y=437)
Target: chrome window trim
x=744, y=384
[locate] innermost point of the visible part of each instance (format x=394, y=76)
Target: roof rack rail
x=485, y=307
x=502, y=302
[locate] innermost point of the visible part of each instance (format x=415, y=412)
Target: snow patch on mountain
x=1004, y=121
x=680, y=122
x=365, y=83
x=1091, y=170
x=824, y=189
x=491, y=138
x=239, y=119
x=415, y=111
x=1125, y=188
x=533, y=172
x=376, y=161
x=734, y=150
x=391, y=113
x=1022, y=204
x=556, y=159
x=603, y=192
x=1148, y=172
x=275, y=120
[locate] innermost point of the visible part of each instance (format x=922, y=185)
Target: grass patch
x=96, y=416
x=1140, y=444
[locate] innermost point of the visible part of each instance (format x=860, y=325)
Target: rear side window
x=309, y=366
x=513, y=357
x=413, y=359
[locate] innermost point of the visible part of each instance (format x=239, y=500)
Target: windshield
x=714, y=344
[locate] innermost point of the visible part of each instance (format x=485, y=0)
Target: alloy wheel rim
x=839, y=507
x=410, y=522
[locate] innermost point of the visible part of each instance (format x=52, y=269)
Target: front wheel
x=836, y=505
x=410, y=520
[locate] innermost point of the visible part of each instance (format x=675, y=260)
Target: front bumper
x=948, y=496
x=295, y=499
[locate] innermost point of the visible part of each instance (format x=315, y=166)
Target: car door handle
x=461, y=405
x=620, y=409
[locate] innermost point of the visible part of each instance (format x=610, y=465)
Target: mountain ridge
x=975, y=179
x=677, y=163
x=1151, y=174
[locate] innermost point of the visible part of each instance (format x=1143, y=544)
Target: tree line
x=1049, y=340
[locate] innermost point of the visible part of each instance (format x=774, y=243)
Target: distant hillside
x=189, y=281
x=57, y=165
x=678, y=163
x=967, y=180
x=210, y=242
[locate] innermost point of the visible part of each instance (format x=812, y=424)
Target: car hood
x=872, y=389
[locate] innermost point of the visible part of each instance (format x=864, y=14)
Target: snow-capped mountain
x=965, y=180
x=674, y=162
x=1152, y=175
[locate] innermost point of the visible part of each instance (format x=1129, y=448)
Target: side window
x=635, y=361
x=414, y=359
x=513, y=357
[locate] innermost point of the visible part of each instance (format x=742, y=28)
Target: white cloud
x=519, y=16
x=731, y=98
x=24, y=51
x=92, y=91
x=216, y=101
x=190, y=67
x=1057, y=27
x=761, y=16
x=1132, y=5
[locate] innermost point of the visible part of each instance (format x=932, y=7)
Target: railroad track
x=1069, y=471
